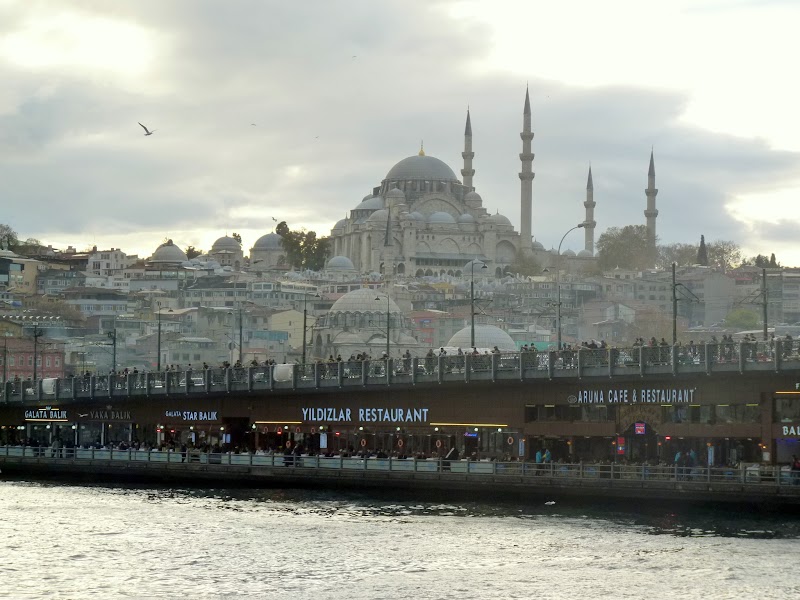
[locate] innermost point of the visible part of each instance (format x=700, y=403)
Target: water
x=68, y=541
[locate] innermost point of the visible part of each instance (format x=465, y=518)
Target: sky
x=294, y=111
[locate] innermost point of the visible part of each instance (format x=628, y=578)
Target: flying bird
x=146, y=130
x=550, y=503
x=274, y=219
x=253, y=124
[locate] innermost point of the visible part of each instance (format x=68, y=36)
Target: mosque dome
x=473, y=198
x=363, y=300
x=499, y=219
x=417, y=216
x=379, y=215
x=371, y=203
x=168, y=252
x=395, y=193
x=226, y=243
x=271, y=241
x=340, y=263
x=421, y=167
x=478, y=266
x=486, y=336
x=585, y=254
x=441, y=218
x=466, y=218
x=340, y=224
x=568, y=252
x=537, y=246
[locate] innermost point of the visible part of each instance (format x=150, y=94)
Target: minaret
x=651, y=213
x=388, y=247
x=589, y=219
x=526, y=177
x=467, y=172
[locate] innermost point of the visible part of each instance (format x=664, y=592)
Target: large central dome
x=421, y=167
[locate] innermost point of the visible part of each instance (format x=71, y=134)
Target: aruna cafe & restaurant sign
x=634, y=395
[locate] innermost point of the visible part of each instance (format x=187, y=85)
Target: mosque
x=422, y=220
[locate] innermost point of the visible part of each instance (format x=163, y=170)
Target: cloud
x=77, y=169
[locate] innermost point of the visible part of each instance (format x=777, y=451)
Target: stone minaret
x=651, y=213
x=526, y=177
x=467, y=172
x=589, y=219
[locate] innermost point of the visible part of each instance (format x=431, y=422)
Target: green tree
x=724, y=255
x=742, y=318
x=29, y=247
x=237, y=237
x=680, y=254
x=702, y=252
x=627, y=248
x=303, y=249
x=525, y=265
x=192, y=252
x=8, y=237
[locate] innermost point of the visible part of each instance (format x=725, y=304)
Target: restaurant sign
x=48, y=413
x=192, y=415
x=366, y=415
x=634, y=395
x=791, y=430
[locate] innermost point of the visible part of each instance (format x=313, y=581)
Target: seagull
x=274, y=219
x=253, y=124
x=146, y=130
x=550, y=503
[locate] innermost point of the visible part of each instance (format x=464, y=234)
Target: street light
x=387, y=322
x=37, y=333
x=472, y=300
x=558, y=283
x=305, y=314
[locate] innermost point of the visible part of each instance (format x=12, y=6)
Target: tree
x=742, y=318
x=680, y=254
x=303, y=249
x=773, y=264
x=29, y=247
x=237, y=237
x=724, y=254
x=192, y=252
x=525, y=265
x=628, y=248
x=8, y=237
x=702, y=252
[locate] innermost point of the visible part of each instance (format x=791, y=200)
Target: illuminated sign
x=791, y=430
x=192, y=415
x=48, y=413
x=366, y=415
x=634, y=396
x=639, y=428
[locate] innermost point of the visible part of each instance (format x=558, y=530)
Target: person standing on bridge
x=795, y=470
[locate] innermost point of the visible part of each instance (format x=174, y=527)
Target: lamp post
x=472, y=300
x=387, y=322
x=305, y=316
x=158, y=338
x=558, y=283
x=37, y=333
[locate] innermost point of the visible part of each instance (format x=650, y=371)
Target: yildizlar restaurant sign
x=634, y=395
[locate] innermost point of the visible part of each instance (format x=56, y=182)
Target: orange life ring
x=363, y=442
x=399, y=443
x=510, y=441
x=438, y=443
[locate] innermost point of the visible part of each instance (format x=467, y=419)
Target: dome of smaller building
x=367, y=197
x=466, y=218
x=363, y=300
x=479, y=266
x=168, y=252
x=537, y=246
x=340, y=224
x=486, y=336
x=499, y=219
x=226, y=243
x=271, y=241
x=417, y=216
x=373, y=203
x=340, y=263
x=379, y=215
x=568, y=252
x=473, y=197
x=585, y=254
x=441, y=218
x=395, y=193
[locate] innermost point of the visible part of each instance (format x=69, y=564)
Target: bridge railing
x=748, y=475
x=709, y=358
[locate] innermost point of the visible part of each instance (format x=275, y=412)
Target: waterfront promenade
x=746, y=483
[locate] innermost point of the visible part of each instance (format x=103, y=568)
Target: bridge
x=568, y=365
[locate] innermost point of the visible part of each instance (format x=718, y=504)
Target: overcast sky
x=296, y=110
